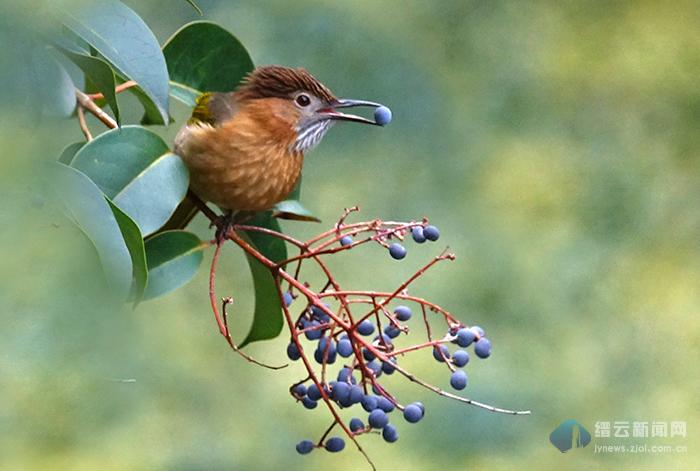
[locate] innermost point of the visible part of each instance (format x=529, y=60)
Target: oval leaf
x=69, y=152
x=293, y=210
x=87, y=206
x=202, y=56
x=52, y=83
x=173, y=258
x=100, y=74
x=134, y=168
x=119, y=35
x=134, y=242
x=267, y=319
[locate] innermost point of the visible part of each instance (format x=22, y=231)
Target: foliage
x=555, y=145
x=133, y=184
x=140, y=180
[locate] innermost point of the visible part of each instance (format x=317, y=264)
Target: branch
x=86, y=102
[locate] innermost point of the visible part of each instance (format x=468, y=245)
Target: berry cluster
x=420, y=234
x=346, y=391
x=354, y=337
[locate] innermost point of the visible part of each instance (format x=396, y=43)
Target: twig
x=118, y=89
x=221, y=321
x=83, y=124
x=86, y=102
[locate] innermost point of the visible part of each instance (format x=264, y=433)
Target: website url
x=639, y=448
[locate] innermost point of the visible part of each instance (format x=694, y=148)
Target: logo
x=570, y=434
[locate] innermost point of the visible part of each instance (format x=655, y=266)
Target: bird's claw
x=223, y=225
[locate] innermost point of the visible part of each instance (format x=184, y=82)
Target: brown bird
x=245, y=149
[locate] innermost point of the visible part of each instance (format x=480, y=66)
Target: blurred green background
x=555, y=144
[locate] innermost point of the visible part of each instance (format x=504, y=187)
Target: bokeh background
x=555, y=144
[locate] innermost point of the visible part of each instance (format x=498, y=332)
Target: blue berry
x=376, y=368
x=335, y=444
x=313, y=392
x=287, y=298
x=365, y=327
x=309, y=403
x=445, y=351
x=478, y=331
x=421, y=406
x=368, y=355
x=417, y=234
x=460, y=358
x=346, y=240
x=299, y=390
x=344, y=374
x=293, y=352
x=378, y=418
x=326, y=342
x=341, y=392
x=369, y=403
x=356, y=424
x=313, y=334
x=325, y=350
x=390, y=434
x=412, y=413
x=482, y=348
x=385, y=404
x=431, y=233
x=345, y=402
x=322, y=356
x=388, y=367
x=304, y=447
x=397, y=251
x=382, y=115
x=356, y=394
x=403, y=313
x=385, y=339
x=458, y=380
x=319, y=314
x=392, y=331
x=465, y=337
x=344, y=348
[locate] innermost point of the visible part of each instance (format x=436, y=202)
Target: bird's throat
x=310, y=135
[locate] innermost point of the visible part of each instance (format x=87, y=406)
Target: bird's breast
x=240, y=166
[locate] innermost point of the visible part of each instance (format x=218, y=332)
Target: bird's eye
x=303, y=100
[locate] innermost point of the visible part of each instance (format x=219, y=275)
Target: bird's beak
x=333, y=113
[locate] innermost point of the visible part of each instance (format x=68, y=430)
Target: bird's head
x=311, y=105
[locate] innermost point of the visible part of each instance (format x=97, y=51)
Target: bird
x=244, y=149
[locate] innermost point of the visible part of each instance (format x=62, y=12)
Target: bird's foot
x=223, y=225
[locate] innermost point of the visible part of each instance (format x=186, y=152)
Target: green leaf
x=173, y=258
x=184, y=94
x=135, y=169
x=100, y=74
x=52, y=83
x=69, y=152
x=120, y=36
x=293, y=210
x=195, y=6
x=151, y=112
x=267, y=319
x=202, y=56
x=134, y=242
x=88, y=208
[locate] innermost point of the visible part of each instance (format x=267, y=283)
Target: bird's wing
x=212, y=108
